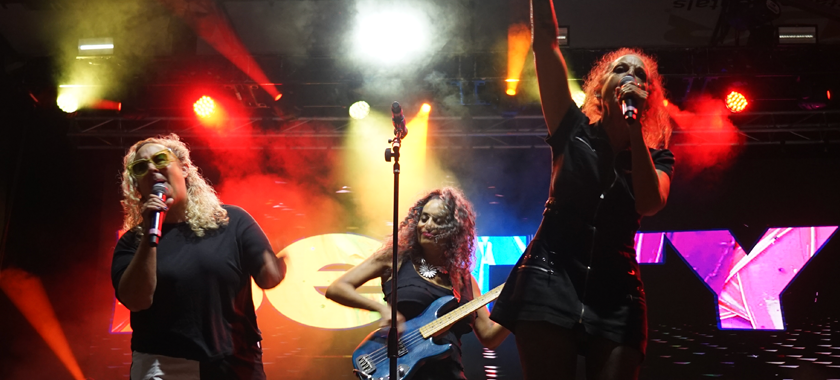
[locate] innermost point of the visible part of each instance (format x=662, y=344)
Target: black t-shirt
x=202, y=307
x=593, y=187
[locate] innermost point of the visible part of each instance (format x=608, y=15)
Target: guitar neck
x=443, y=322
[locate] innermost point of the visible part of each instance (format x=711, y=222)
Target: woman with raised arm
x=435, y=253
x=577, y=288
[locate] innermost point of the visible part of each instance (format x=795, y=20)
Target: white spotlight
x=359, y=110
x=391, y=36
x=68, y=102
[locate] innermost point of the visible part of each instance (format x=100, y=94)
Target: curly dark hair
x=656, y=124
x=457, y=234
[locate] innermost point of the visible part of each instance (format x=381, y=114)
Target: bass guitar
x=370, y=359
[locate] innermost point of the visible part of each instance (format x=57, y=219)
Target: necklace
x=428, y=270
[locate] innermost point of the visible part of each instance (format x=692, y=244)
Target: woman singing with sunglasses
x=189, y=292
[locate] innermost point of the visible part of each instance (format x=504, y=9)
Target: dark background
x=59, y=180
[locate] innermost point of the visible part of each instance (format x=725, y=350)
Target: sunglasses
x=160, y=159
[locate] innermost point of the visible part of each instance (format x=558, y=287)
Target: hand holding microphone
x=632, y=97
x=154, y=211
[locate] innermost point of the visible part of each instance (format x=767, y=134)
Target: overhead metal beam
x=524, y=131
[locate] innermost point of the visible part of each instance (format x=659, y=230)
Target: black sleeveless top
x=414, y=295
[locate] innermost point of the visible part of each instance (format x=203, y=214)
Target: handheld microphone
x=400, y=131
x=161, y=190
x=628, y=108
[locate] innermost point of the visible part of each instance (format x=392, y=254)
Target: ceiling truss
x=519, y=132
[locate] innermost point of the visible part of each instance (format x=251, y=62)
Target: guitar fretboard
x=441, y=323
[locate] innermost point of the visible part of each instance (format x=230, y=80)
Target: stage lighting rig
x=251, y=95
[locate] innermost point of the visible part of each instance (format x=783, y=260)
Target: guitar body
x=371, y=361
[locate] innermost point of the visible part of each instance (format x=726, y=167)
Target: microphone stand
x=393, y=334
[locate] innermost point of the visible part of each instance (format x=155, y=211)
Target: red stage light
x=736, y=102
x=204, y=106
x=107, y=105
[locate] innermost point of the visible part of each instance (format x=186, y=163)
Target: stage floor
x=805, y=351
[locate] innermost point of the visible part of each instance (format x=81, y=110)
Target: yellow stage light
x=370, y=176
x=519, y=42
x=359, y=110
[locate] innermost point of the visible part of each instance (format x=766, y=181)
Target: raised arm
x=552, y=75
x=489, y=333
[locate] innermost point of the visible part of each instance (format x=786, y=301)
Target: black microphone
x=161, y=190
x=400, y=131
x=628, y=108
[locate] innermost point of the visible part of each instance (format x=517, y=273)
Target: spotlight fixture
x=426, y=107
x=511, y=86
x=68, y=102
x=797, y=34
x=736, y=102
x=359, y=110
x=204, y=106
x=814, y=94
x=75, y=97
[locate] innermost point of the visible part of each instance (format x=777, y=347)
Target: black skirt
x=563, y=279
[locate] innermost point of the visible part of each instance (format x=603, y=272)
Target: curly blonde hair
x=656, y=124
x=204, y=210
x=457, y=234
